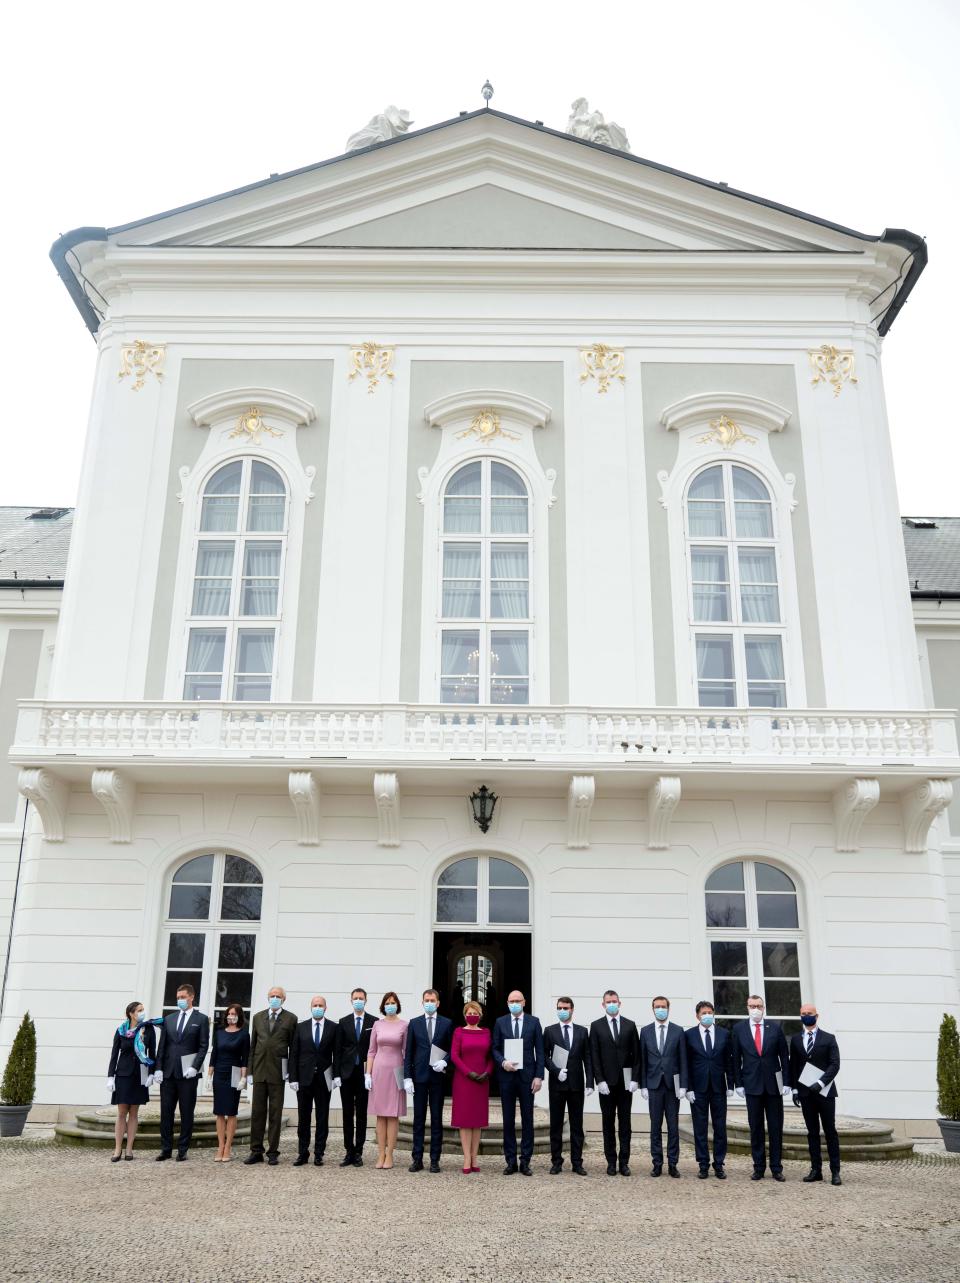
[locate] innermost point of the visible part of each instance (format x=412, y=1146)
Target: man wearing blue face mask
x=519, y=1080
x=310, y=1075
x=353, y=1048
x=813, y=1049
x=566, y=1050
x=615, y=1055
x=425, y=1060
x=663, y=1079
x=710, y=1082
x=184, y=1039
x=271, y=1035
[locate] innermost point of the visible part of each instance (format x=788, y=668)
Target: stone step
x=95, y=1127
x=861, y=1139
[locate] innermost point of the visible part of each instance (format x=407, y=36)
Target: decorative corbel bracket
x=305, y=796
x=50, y=795
x=583, y=790
x=662, y=799
x=386, y=794
x=920, y=807
x=117, y=794
x=852, y=803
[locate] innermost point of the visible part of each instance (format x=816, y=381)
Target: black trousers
x=572, y=1103
x=310, y=1100
x=615, y=1113
x=663, y=1103
x=513, y=1088
x=769, y=1107
x=177, y=1093
x=429, y=1093
x=818, y=1109
x=266, y=1114
x=353, y=1103
x=712, y=1104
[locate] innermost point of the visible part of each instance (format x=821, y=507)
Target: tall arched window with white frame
x=734, y=600
x=236, y=599
x=485, y=599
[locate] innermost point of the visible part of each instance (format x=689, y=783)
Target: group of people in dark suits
x=706, y=1065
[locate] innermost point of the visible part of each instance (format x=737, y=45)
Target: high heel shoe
x=467, y=1171
x=474, y=1169
x=128, y=1157
x=116, y=1158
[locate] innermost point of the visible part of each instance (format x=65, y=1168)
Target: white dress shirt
x=712, y=1031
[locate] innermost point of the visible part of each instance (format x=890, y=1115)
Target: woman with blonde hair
x=472, y=1067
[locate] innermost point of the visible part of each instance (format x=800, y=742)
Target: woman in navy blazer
x=130, y=1074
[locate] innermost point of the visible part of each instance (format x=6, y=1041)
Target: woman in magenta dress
x=472, y=1067
x=388, y=1100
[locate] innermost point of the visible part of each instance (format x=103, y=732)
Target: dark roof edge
x=31, y=583
x=58, y=253
x=934, y=594
x=917, y=248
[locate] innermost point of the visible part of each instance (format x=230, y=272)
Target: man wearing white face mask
x=761, y=1071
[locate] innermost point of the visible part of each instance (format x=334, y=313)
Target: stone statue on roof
x=584, y=123
x=390, y=123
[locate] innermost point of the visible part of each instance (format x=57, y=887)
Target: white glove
x=632, y=1087
x=158, y=1077
x=408, y=1086
x=335, y=1083
x=149, y=1080
x=111, y=1084
x=293, y=1086
x=729, y=1093
x=439, y=1066
x=190, y=1073
x=787, y=1093
x=562, y=1075
x=643, y=1091
x=603, y=1089
x=740, y=1092
x=691, y=1096
x=589, y=1091
x=368, y=1081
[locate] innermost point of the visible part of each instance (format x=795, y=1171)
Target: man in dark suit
x=185, y=1034
x=615, y=1047
x=710, y=1084
x=518, y=1082
x=350, y=1058
x=271, y=1037
x=425, y=1077
x=814, y=1046
x=569, y=1084
x=761, y=1072
x=311, y=1061
x=663, y=1077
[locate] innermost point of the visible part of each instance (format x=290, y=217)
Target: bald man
x=311, y=1077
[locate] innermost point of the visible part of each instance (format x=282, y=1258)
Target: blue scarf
x=136, y=1033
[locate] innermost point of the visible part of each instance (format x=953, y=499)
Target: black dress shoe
x=249, y=1160
x=756, y=1176
x=703, y=1173
x=358, y=1160
x=347, y=1160
x=525, y=1169
x=779, y=1176
x=656, y=1169
x=624, y=1169
x=164, y=1155
x=672, y=1171
x=273, y=1160
x=510, y=1169
x=301, y=1160
x=416, y=1165
x=181, y=1155
x=318, y=1160
x=434, y=1166
x=811, y=1176
x=720, y=1174
x=611, y=1169
x=835, y=1179
x=556, y=1169
x=580, y=1171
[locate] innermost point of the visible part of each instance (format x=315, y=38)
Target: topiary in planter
x=948, y=1083
x=19, y=1079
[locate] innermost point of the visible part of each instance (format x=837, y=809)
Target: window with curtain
x=237, y=583
x=755, y=939
x=211, y=925
x=734, y=601
x=485, y=602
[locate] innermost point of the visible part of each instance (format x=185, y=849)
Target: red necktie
x=756, y=1039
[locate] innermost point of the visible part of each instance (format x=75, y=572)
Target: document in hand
x=513, y=1051
x=236, y=1073
x=560, y=1057
x=676, y=1086
x=398, y=1075
x=186, y=1062
x=328, y=1078
x=144, y=1075
x=436, y=1053
x=283, y=1068
x=810, y=1074
x=627, y=1077
x=779, y=1081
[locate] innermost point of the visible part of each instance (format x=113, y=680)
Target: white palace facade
x=484, y=455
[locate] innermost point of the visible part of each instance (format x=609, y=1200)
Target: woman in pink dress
x=388, y=1100
x=472, y=1067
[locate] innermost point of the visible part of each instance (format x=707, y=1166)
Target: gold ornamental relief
x=486, y=427
x=726, y=433
x=138, y=359
x=602, y=363
x=832, y=365
x=373, y=361
x=251, y=424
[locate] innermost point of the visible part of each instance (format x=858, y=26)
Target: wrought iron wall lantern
x=483, y=803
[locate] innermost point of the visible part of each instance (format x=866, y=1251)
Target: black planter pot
x=12, y=1119
x=950, y=1131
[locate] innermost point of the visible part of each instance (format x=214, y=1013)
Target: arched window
x=753, y=930
x=213, y=904
x=482, y=890
x=734, y=594
x=235, y=604
x=485, y=599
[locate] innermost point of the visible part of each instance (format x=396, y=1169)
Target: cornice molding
x=460, y=406
x=221, y=407
x=748, y=411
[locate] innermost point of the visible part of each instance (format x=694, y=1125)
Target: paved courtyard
x=67, y=1215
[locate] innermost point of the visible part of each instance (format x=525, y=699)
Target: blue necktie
x=359, y=1024
x=316, y=1034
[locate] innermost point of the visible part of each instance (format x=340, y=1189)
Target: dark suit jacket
x=269, y=1050
x=532, y=1034
x=579, y=1063
x=123, y=1059
x=609, y=1058
x=195, y=1041
x=659, y=1071
x=346, y=1052
x=825, y=1056
x=757, y=1075
x=306, y=1062
x=416, y=1056
x=706, y=1074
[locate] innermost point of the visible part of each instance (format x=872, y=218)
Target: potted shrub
x=948, y=1084
x=20, y=1079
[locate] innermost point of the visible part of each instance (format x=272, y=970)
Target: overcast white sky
x=116, y=111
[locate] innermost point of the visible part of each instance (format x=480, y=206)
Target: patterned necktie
x=756, y=1039
x=809, y=1043
x=709, y=1044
